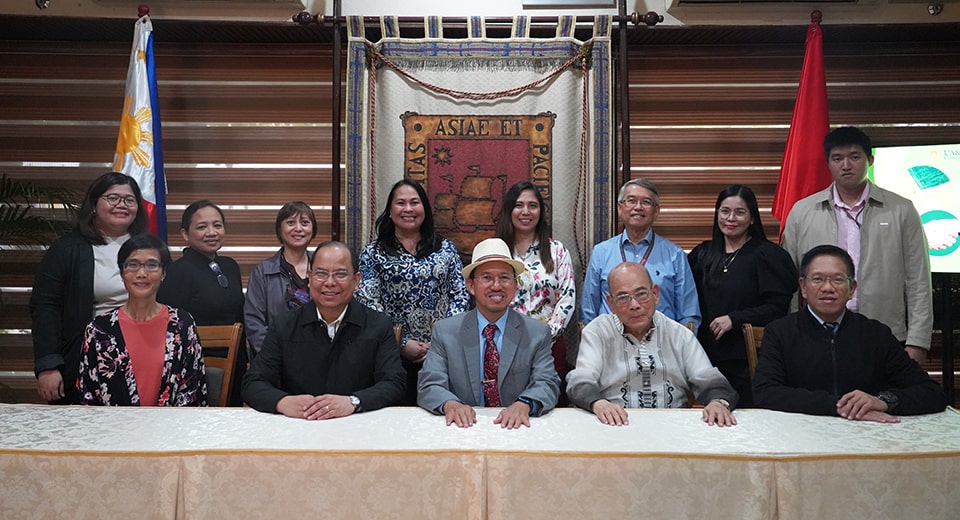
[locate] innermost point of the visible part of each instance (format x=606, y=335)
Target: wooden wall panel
x=249, y=126
x=703, y=117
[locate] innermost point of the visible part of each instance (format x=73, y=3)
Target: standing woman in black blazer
x=78, y=279
x=203, y=283
x=741, y=278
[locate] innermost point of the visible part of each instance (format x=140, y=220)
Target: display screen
x=929, y=176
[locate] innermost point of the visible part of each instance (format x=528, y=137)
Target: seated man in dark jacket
x=331, y=358
x=828, y=360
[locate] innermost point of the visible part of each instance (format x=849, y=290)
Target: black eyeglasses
x=114, y=200
x=221, y=278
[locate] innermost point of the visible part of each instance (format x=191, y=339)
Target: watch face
x=354, y=400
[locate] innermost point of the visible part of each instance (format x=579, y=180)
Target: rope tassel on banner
x=478, y=96
x=583, y=57
x=452, y=81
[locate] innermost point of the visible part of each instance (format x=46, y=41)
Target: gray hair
x=643, y=183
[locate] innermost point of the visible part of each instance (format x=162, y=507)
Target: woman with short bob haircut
x=281, y=283
x=143, y=353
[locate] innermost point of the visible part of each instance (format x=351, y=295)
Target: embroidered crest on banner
x=466, y=163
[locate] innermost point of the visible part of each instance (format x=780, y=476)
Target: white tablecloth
x=403, y=462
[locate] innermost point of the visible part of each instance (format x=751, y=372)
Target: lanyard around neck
x=643, y=261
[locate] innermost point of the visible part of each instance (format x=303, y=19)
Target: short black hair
x=354, y=260
x=144, y=241
x=826, y=250
x=196, y=206
x=847, y=136
x=293, y=208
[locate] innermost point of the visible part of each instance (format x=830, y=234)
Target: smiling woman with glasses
x=280, y=283
x=205, y=283
x=741, y=278
x=143, y=353
x=79, y=279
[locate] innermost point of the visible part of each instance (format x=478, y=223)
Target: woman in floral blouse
x=143, y=353
x=547, y=291
x=412, y=274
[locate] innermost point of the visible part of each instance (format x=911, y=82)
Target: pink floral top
x=106, y=374
x=548, y=297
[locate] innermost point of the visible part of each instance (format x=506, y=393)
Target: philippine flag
x=139, y=152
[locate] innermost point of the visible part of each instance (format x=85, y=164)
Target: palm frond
x=13, y=191
x=20, y=223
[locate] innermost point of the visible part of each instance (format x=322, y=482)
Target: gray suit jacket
x=452, y=368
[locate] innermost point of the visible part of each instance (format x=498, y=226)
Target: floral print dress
x=106, y=375
x=414, y=292
x=548, y=297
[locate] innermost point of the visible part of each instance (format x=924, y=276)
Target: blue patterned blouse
x=413, y=291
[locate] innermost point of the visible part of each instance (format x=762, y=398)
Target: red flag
x=804, y=169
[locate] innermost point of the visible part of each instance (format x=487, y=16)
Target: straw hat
x=493, y=250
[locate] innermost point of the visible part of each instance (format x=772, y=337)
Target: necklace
x=728, y=260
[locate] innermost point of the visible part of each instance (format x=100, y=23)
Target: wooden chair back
x=752, y=335
x=219, y=337
x=398, y=334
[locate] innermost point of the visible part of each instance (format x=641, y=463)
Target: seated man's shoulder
x=451, y=323
x=667, y=323
x=286, y=320
x=867, y=325
x=601, y=323
x=790, y=320
x=785, y=326
x=371, y=318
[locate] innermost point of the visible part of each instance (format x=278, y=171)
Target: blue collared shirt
x=668, y=268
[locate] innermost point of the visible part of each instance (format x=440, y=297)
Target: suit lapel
x=469, y=334
x=511, y=341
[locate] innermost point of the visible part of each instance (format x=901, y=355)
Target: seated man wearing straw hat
x=492, y=355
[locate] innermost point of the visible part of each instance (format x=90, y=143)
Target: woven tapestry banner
x=469, y=117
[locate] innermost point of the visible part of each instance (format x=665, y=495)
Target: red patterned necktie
x=491, y=365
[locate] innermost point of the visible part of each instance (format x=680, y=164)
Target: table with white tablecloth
x=85, y=462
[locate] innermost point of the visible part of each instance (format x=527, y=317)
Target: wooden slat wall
x=248, y=126
x=702, y=117
x=706, y=116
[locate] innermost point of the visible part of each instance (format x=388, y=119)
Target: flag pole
x=139, y=150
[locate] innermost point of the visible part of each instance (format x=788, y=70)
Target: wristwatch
x=723, y=401
x=355, y=401
x=534, y=409
x=890, y=398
